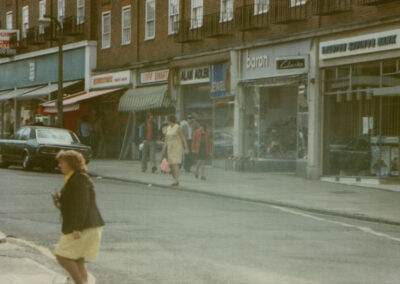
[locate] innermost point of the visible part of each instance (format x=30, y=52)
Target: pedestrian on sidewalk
x=148, y=133
x=173, y=146
x=202, y=148
x=82, y=222
x=187, y=130
x=99, y=139
x=85, y=130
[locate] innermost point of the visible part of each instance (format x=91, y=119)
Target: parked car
x=37, y=146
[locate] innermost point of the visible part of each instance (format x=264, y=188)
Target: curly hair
x=74, y=159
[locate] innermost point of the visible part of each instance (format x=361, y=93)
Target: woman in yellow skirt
x=82, y=222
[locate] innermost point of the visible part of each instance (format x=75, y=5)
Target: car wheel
x=3, y=164
x=27, y=163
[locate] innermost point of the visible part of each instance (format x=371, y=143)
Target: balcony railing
x=73, y=26
x=250, y=17
x=188, y=30
x=51, y=32
x=218, y=24
x=327, y=7
x=287, y=11
x=375, y=2
x=35, y=36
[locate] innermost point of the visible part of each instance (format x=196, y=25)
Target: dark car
x=37, y=146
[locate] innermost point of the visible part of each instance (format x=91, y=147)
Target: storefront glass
x=362, y=119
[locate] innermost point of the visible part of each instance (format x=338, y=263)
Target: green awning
x=145, y=98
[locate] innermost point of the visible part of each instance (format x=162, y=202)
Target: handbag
x=164, y=167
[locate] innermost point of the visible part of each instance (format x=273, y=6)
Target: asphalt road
x=165, y=236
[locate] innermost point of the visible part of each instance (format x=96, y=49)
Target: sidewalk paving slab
x=363, y=203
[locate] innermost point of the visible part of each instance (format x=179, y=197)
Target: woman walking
x=174, y=139
x=82, y=222
x=202, y=148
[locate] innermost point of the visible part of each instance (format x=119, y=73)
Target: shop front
x=361, y=91
x=274, y=84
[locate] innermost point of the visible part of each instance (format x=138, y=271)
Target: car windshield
x=56, y=135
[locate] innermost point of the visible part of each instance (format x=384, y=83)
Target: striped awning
x=145, y=98
x=45, y=91
x=14, y=94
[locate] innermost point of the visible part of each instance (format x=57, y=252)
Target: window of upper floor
x=25, y=21
x=295, y=3
x=126, y=25
x=196, y=14
x=80, y=12
x=60, y=10
x=42, y=12
x=9, y=20
x=150, y=26
x=106, y=30
x=226, y=11
x=261, y=7
x=173, y=16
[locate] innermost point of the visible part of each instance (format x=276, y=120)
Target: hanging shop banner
x=111, y=80
x=7, y=46
x=196, y=75
x=154, y=76
x=362, y=44
x=218, y=81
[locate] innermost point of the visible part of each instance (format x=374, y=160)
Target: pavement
x=19, y=265
x=371, y=202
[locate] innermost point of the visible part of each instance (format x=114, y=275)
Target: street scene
x=192, y=141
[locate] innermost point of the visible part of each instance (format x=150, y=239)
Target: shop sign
x=154, y=76
x=6, y=46
x=363, y=44
x=111, y=79
x=32, y=70
x=291, y=65
x=218, y=81
x=195, y=75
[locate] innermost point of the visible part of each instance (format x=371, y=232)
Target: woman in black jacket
x=82, y=222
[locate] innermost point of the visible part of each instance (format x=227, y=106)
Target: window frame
x=123, y=10
x=147, y=21
x=171, y=23
x=264, y=10
x=103, y=15
x=62, y=16
x=41, y=26
x=196, y=24
x=80, y=19
x=296, y=3
x=224, y=17
x=9, y=20
x=25, y=9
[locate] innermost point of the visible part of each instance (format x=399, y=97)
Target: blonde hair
x=74, y=159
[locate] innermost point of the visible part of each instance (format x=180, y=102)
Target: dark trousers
x=187, y=162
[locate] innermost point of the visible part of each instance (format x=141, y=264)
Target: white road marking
x=363, y=229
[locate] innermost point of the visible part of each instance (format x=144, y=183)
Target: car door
x=19, y=144
x=10, y=149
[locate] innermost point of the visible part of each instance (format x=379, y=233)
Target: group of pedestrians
x=94, y=134
x=184, y=143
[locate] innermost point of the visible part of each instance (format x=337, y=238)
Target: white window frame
x=105, y=44
x=197, y=12
x=173, y=16
x=9, y=20
x=295, y=3
x=126, y=30
x=225, y=14
x=148, y=21
x=261, y=7
x=25, y=20
x=80, y=12
x=60, y=10
x=42, y=12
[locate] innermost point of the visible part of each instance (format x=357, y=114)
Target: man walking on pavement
x=148, y=133
x=188, y=127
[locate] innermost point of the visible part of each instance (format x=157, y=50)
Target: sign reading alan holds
x=7, y=46
x=363, y=44
x=154, y=76
x=111, y=79
x=196, y=75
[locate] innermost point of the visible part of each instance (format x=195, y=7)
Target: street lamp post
x=59, y=101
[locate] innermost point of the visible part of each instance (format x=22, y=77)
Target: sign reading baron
x=360, y=44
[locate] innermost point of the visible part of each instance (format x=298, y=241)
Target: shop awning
x=145, y=98
x=81, y=96
x=45, y=91
x=14, y=94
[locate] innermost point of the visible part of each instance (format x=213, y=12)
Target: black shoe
x=196, y=175
x=203, y=178
x=175, y=184
x=153, y=169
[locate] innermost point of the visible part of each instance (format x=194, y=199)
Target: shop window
x=390, y=73
x=150, y=28
x=366, y=75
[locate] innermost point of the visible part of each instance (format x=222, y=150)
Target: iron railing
x=188, y=30
x=250, y=17
x=287, y=11
x=73, y=26
x=218, y=24
x=327, y=7
x=35, y=36
x=375, y=2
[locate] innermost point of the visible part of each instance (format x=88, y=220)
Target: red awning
x=81, y=96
